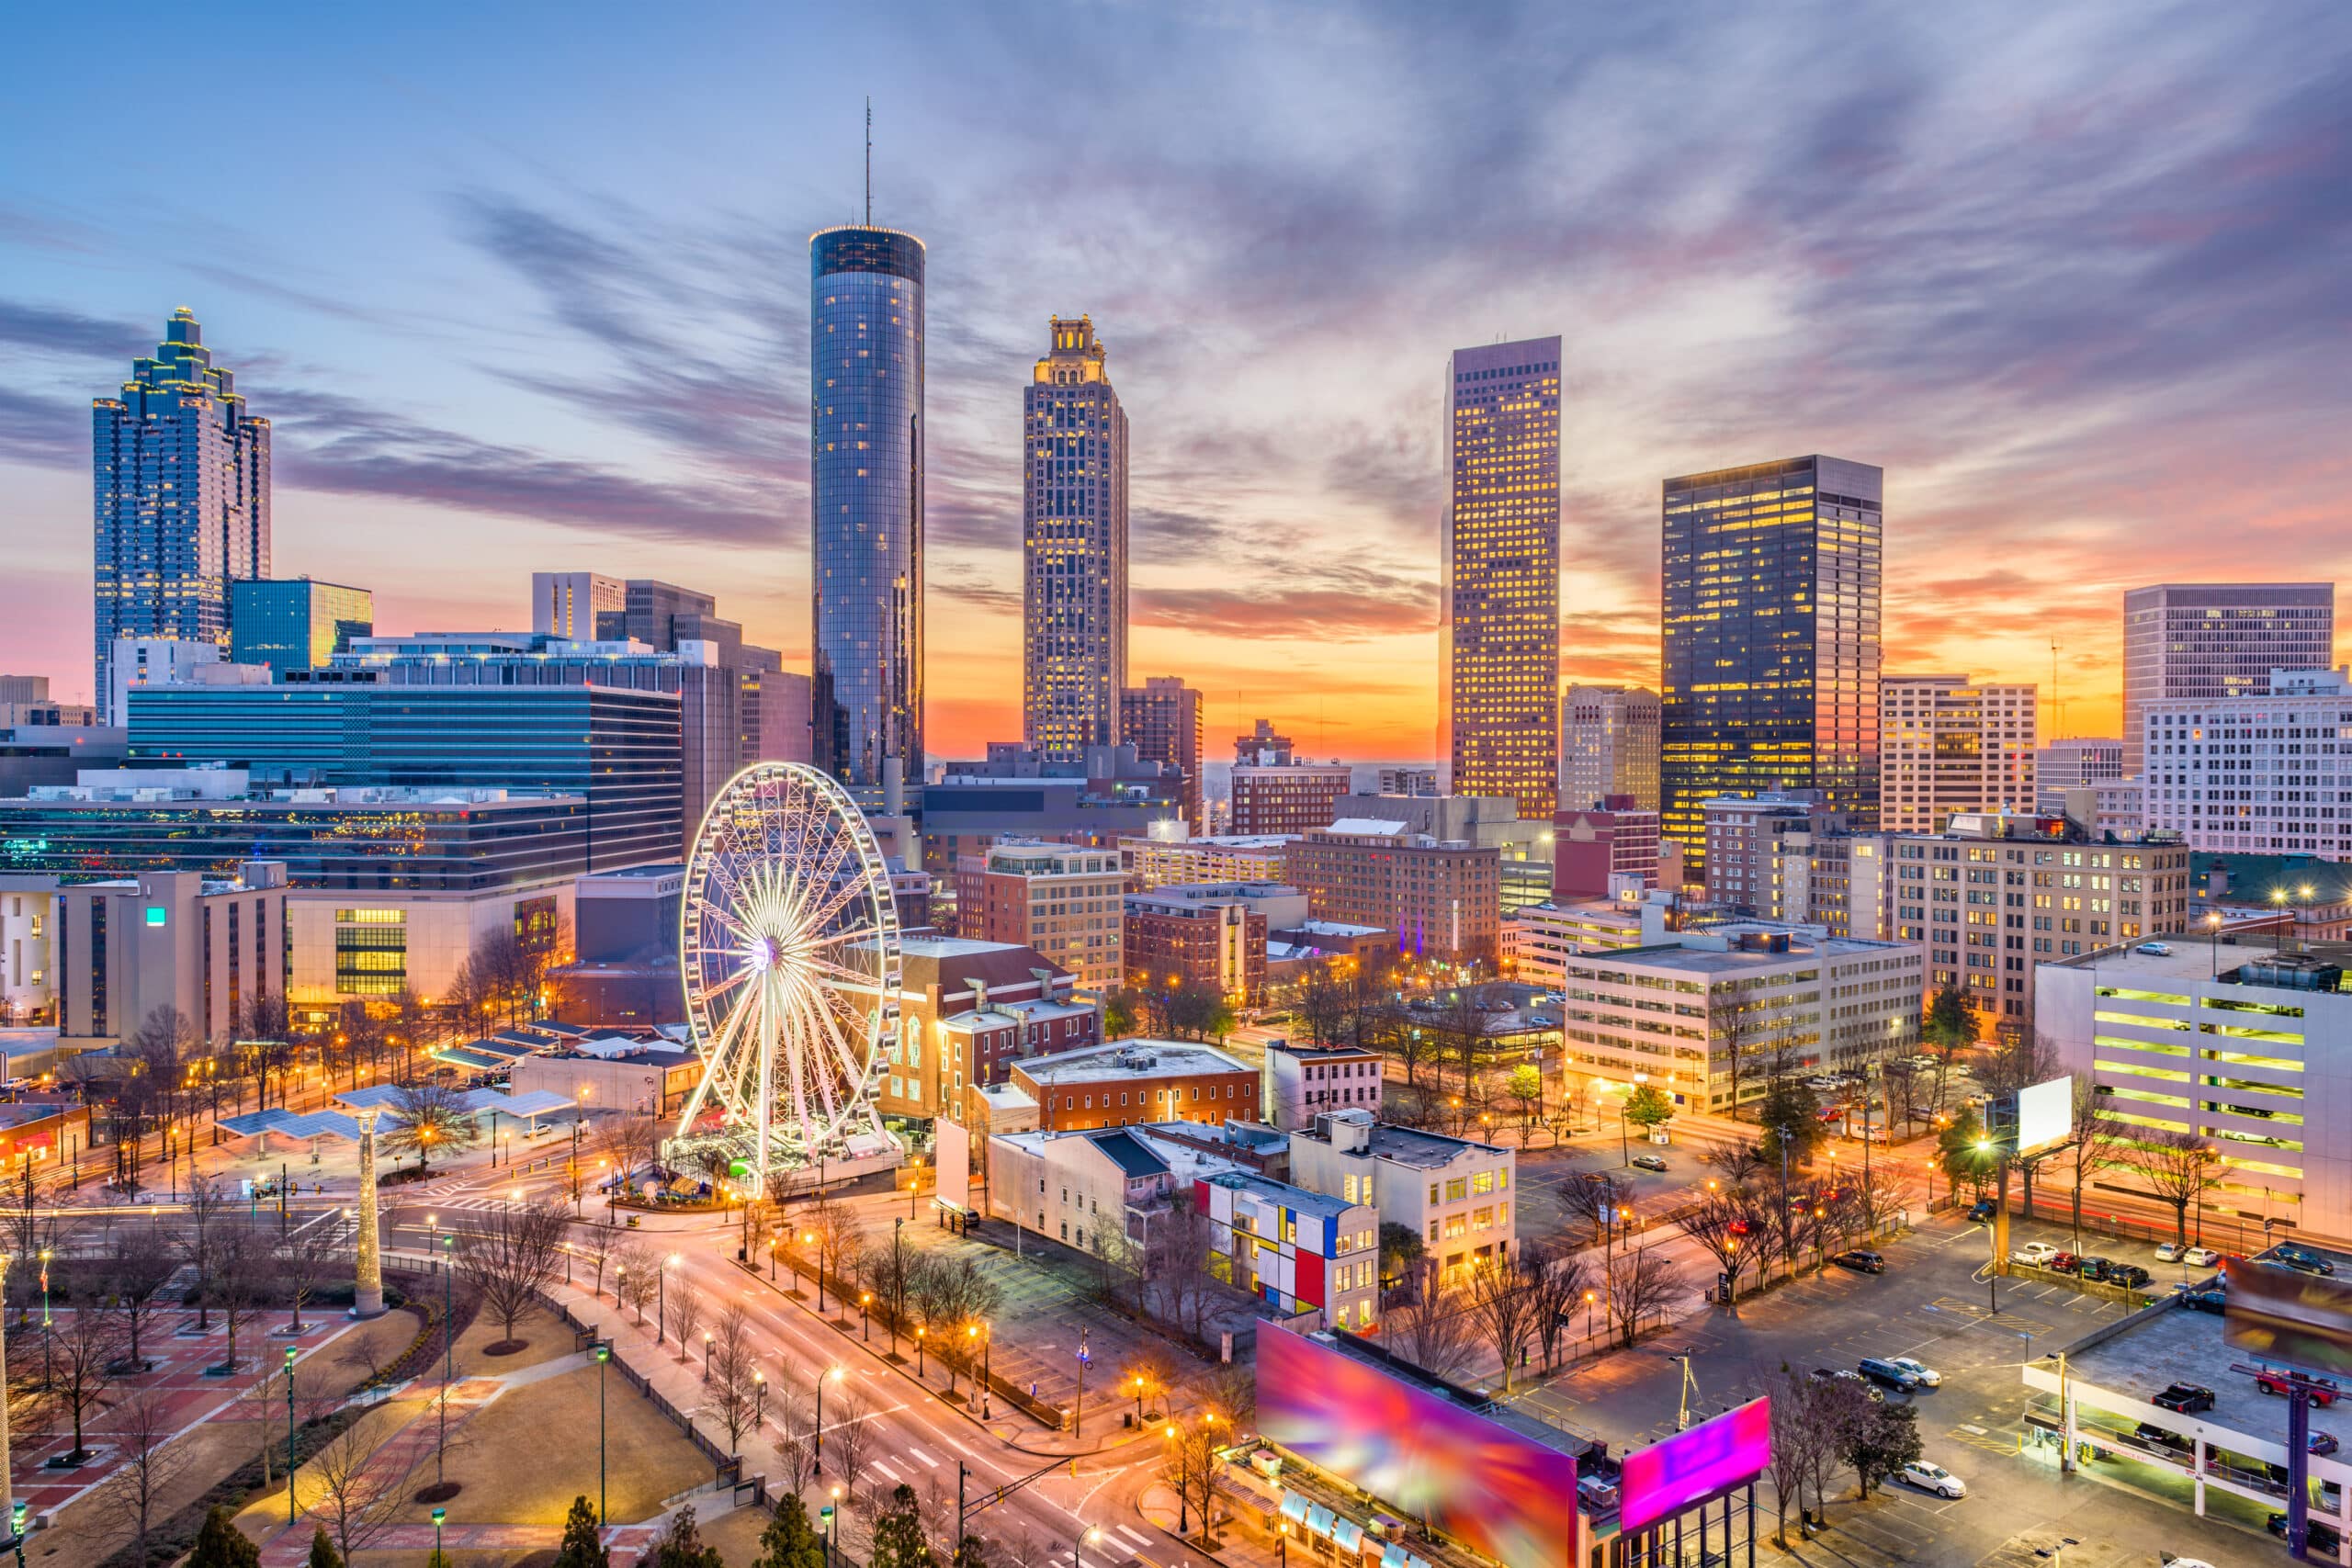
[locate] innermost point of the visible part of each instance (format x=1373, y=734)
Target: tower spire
x=869, y=161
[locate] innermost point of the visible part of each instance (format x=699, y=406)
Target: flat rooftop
x=1131, y=1059
x=1410, y=1146
x=2193, y=958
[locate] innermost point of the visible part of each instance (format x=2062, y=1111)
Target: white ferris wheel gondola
x=789, y=944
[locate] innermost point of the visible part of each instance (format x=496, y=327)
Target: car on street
x=1860, y=1261
x=1983, y=1209
x=2037, y=1253
x=2324, y=1392
x=1934, y=1478
x=1649, y=1162
x=2184, y=1397
x=1928, y=1377
x=2297, y=1257
x=2205, y=1301
x=2319, y=1536
x=1886, y=1375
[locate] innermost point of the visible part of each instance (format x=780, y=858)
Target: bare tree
x=596, y=1249
x=512, y=1257
x=241, y=1271
x=629, y=1138
x=147, y=1464
x=1732, y=1023
x=141, y=1266
x=1639, y=1285
x=354, y=1496
x=2094, y=1144
x=1427, y=1321
x=1150, y=1374
x=685, y=1312
x=890, y=1266
x=636, y=1277
x=952, y=1292
x=796, y=1443
x=80, y=1361
x=1176, y=1256
x=852, y=1435
x=835, y=1236
x=1799, y=1444
x=1502, y=1303
x=733, y=1395
x=2178, y=1167
x=1723, y=1221
x=203, y=1223
x=1592, y=1196
x=1556, y=1281
x=305, y=1258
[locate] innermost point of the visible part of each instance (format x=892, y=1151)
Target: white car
x=1932, y=1478
x=2037, y=1253
x=2169, y=1252
x=1928, y=1377
x=2199, y=1256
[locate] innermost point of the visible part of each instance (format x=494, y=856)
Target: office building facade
x=1074, y=548
x=1453, y=1193
x=865, y=499
x=118, y=950
x=1212, y=936
x=1156, y=861
x=1609, y=746
x=295, y=622
x=1949, y=744
x=2077, y=762
x=1062, y=899
x=565, y=605
x=1499, y=608
x=1442, y=898
x=2210, y=640
x=2256, y=775
x=180, y=483
x=618, y=750
x=1162, y=720
x=1770, y=650
x=1595, y=852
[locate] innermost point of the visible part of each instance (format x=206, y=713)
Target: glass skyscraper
x=179, y=477
x=1772, y=639
x=866, y=442
x=295, y=624
x=1074, y=587
x=1499, y=613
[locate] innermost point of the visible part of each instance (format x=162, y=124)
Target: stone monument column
x=368, y=1295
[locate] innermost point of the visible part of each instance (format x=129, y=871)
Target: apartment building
x=1594, y=845
x=1065, y=900
x=1210, y=934
x=1442, y=897
x=1158, y=861
x=1276, y=792
x=1949, y=744
x=1303, y=1082
x=2269, y=774
x=1455, y=1192
x=1675, y=1014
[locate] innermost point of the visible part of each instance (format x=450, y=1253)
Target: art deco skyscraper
x=1074, y=543
x=865, y=490
x=1499, y=614
x=2216, y=640
x=1772, y=640
x=180, y=507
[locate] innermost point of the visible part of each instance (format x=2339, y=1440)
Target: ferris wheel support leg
x=767, y=1097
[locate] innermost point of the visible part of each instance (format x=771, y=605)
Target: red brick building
x=1161, y=719
x=1133, y=1081
x=967, y=1012
x=1442, y=897
x=1194, y=934
x=1590, y=846
x=1272, y=793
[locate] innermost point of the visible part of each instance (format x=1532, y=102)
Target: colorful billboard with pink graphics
x=1503, y=1495
x=1711, y=1457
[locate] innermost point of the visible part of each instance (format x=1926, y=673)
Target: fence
x=726, y=1468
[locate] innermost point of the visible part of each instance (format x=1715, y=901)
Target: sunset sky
x=525, y=287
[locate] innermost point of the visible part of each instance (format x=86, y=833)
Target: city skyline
x=555, y=359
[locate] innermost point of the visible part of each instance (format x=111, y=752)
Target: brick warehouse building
x=1442, y=897
x=967, y=1012
x=1133, y=1081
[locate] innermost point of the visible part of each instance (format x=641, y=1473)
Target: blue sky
x=525, y=287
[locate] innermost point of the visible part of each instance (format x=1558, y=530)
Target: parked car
x=2319, y=1535
x=2161, y=1437
x=1928, y=1377
x=2325, y=1390
x=2064, y=1263
x=1933, y=1478
x=2184, y=1397
x=2093, y=1267
x=2130, y=1276
x=2154, y=949
x=2298, y=1257
x=1983, y=1209
x=1886, y=1375
x=2205, y=1301
x=2169, y=1252
x=2038, y=1253
x=1649, y=1162
x=1860, y=1261
x=2201, y=1257
x=2321, y=1442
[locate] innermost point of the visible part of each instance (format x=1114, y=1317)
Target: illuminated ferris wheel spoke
x=790, y=954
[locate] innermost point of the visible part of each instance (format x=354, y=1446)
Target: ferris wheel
x=789, y=943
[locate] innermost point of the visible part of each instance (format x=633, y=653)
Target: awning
x=1347, y=1535
x=1320, y=1518
x=1294, y=1507
x=290, y=1124
x=1392, y=1556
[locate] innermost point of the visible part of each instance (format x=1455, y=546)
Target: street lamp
x=1092, y=1534
x=440, y=1517
x=706, y=1355
x=448, y=1309
x=2213, y=944
x=919, y=1331
x=603, y=1355
x=865, y=1323
x=829, y=1374
x=289, y=1435
x=759, y=1398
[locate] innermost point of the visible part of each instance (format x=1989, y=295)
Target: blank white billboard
x=2045, y=1114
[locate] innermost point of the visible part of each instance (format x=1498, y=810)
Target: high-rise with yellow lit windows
x=1770, y=656
x=1074, y=549
x=1499, y=621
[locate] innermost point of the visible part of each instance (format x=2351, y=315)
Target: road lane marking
x=1140, y=1541
x=923, y=1456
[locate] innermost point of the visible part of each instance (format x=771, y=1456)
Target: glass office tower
x=179, y=477
x=1498, y=610
x=1772, y=639
x=1074, y=525
x=866, y=440
x=296, y=624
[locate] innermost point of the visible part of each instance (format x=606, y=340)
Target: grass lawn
x=545, y=1333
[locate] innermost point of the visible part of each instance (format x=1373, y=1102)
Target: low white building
x=1304, y=1081
x=1457, y=1192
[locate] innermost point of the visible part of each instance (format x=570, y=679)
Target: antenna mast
x=869, y=161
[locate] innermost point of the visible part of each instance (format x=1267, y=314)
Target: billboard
x=2045, y=1114
x=1504, y=1495
x=2300, y=1320
x=1711, y=1457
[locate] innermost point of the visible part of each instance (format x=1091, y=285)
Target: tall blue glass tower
x=865, y=501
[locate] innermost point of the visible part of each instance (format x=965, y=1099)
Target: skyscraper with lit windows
x=1074, y=548
x=865, y=498
x=1770, y=650
x=1499, y=616
x=180, y=499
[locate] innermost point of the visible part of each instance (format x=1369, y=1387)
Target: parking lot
x=1931, y=1305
